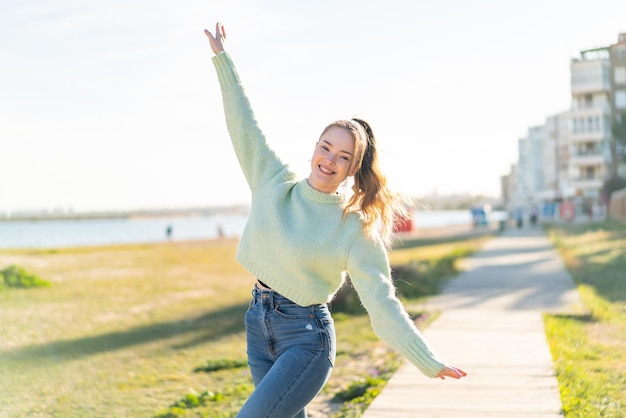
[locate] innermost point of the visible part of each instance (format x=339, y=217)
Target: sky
x=116, y=105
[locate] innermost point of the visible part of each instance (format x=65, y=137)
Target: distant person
x=519, y=217
x=533, y=216
x=168, y=232
x=589, y=211
x=220, y=232
x=301, y=239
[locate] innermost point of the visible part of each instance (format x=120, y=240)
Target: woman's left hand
x=451, y=371
x=217, y=40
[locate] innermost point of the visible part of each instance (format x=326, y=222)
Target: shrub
x=16, y=277
x=347, y=301
x=359, y=388
x=414, y=279
x=220, y=364
x=359, y=395
x=207, y=403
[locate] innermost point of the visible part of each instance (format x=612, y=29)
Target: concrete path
x=491, y=326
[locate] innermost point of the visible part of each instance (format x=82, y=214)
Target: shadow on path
x=519, y=270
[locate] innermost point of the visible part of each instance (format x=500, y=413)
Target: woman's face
x=333, y=160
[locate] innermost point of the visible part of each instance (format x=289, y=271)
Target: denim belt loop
x=265, y=297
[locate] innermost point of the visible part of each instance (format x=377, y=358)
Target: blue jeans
x=291, y=353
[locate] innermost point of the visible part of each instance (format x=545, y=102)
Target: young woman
x=301, y=240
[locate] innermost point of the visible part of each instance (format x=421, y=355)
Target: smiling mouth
x=325, y=170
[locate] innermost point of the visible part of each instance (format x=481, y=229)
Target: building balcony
x=593, y=86
x=591, y=137
x=590, y=76
x=600, y=110
x=588, y=158
x=585, y=152
x=583, y=183
x=589, y=124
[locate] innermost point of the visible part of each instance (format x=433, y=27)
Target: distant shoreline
x=127, y=214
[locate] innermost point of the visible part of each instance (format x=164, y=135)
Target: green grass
x=121, y=329
x=590, y=350
x=153, y=330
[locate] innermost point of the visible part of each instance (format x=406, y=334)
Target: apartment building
x=590, y=122
x=556, y=159
x=530, y=166
x=568, y=159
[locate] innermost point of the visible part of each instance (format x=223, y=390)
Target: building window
x=620, y=75
x=620, y=99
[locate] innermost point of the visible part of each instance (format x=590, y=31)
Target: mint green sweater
x=298, y=241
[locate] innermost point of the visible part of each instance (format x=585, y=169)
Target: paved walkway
x=491, y=326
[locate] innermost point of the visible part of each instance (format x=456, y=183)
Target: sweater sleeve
x=370, y=274
x=257, y=160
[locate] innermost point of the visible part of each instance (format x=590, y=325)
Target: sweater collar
x=317, y=196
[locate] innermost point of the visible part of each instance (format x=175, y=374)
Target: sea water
x=110, y=231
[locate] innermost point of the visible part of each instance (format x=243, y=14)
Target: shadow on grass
x=582, y=318
x=601, y=268
x=420, y=242
x=607, y=277
x=210, y=327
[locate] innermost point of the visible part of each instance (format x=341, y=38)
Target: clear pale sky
x=116, y=105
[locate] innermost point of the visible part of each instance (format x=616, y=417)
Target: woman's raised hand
x=217, y=41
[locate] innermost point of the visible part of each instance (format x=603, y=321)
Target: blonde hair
x=379, y=207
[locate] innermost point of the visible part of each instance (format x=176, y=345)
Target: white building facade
x=566, y=161
x=590, y=123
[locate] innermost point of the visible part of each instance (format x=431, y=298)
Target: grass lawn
x=590, y=350
x=122, y=328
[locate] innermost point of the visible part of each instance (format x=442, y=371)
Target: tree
x=618, y=131
x=611, y=185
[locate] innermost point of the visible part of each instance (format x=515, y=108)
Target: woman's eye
x=345, y=158
x=324, y=147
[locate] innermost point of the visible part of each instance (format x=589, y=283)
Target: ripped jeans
x=291, y=353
